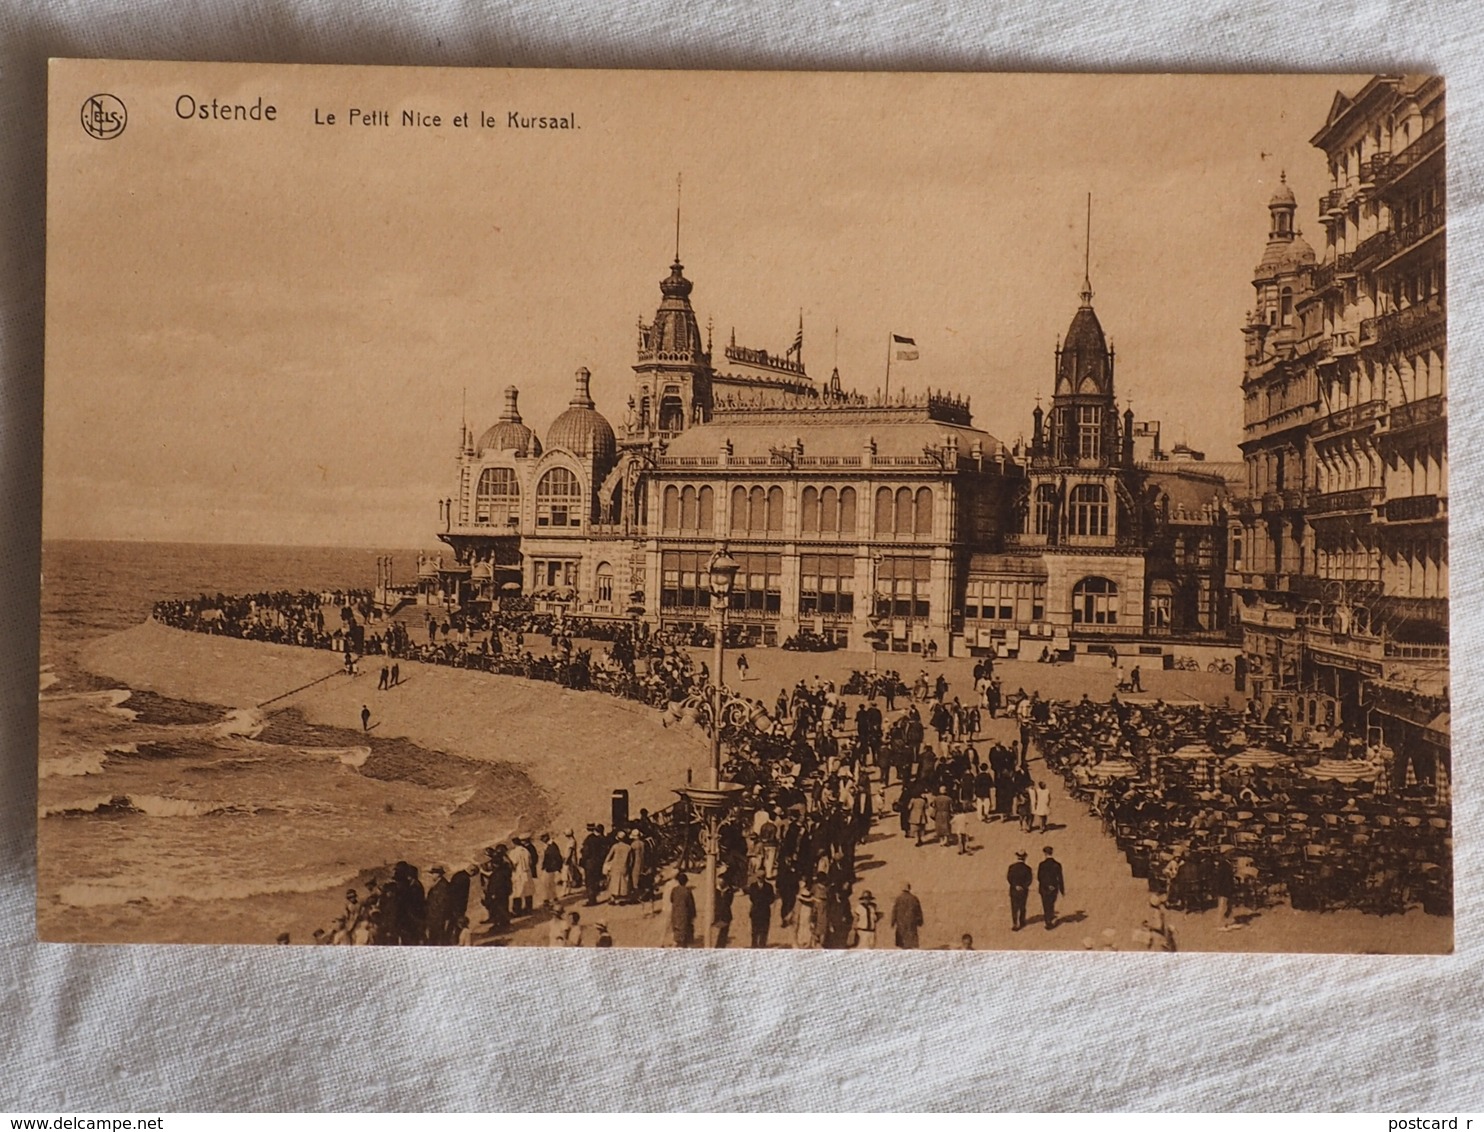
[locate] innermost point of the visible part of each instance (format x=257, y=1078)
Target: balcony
x=1357, y=501
x=1331, y=202
x=1375, y=248
x=1326, y=275
x=1348, y=419
x=1416, y=317
x=1417, y=230
x=1427, y=143
x=1374, y=168
x=1413, y=509
x=1294, y=498
x=1272, y=503
x=1416, y=413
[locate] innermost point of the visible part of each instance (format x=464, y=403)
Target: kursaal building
x=890, y=519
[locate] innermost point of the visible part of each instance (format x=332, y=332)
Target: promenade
x=578, y=746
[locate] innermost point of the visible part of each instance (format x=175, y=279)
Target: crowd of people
x=1206, y=803
x=1217, y=809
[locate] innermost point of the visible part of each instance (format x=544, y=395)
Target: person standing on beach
x=396, y=674
x=365, y=718
x=383, y=682
x=499, y=882
x=551, y=871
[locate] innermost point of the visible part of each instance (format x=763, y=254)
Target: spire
x=582, y=398
x=677, y=217
x=1087, y=258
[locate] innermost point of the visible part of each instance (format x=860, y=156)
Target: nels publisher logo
x=104, y=116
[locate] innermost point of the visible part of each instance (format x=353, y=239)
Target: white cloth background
x=152, y=1028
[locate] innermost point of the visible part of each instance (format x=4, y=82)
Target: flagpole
x=886, y=397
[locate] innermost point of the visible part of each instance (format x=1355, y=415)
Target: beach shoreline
x=443, y=729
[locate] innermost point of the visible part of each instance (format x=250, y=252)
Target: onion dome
x=509, y=434
x=581, y=429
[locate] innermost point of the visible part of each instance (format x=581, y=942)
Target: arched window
x=497, y=498
x=809, y=511
x=739, y=510
x=922, y=519
x=903, y=524
x=670, y=509
x=559, y=499
x=1095, y=602
x=672, y=410
x=847, y=511
x=705, y=510
x=1285, y=307
x=688, y=509
x=1045, y=508
x=757, y=510
x=1088, y=510
x=775, y=508
x=829, y=510
x=884, y=523
x=603, y=584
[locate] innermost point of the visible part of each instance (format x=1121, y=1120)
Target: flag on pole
x=798, y=341
x=905, y=348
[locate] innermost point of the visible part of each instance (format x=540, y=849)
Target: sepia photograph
x=791, y=511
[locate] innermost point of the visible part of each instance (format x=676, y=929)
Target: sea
x=161, y=820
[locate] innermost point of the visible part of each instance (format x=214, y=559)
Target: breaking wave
x=147, y=805
x=129, y=890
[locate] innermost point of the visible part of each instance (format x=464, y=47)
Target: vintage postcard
x=666, y=509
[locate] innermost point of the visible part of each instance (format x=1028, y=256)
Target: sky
x=270, y=331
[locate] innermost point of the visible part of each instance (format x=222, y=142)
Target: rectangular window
x=683, y=580
x=1089, y=431
x=826, y=584
x=759, y=583
x=904, y=585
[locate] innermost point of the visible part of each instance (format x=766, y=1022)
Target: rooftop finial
x=677, y=217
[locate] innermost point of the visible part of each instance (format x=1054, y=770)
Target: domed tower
x=583, y=433
x=509, y=433
x=1287, y=255
x=673, y=372
x=581, y=430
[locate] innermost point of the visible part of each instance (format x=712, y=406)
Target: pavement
x=1105, y=904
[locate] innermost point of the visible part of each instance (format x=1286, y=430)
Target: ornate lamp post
x=712, y=801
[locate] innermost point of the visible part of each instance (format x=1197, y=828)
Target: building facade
x=854, y=518
x=1339, y=546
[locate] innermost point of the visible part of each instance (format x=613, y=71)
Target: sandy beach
x=548, y=731
x=516, y=753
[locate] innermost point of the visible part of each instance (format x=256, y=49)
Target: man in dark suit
x=1019, y=876
x=906, y=918
x=439, y=916
x=594, y=852
x=760, y=900
x=1052, y=883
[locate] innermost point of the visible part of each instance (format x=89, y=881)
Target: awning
x=1439, y=727
x=1006, y=565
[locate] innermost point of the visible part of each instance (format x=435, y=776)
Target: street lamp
x=713, y=801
